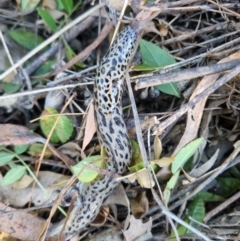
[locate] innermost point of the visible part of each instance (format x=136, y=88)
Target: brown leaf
x=90, y=127
x=195, y=114
x=20, y=135
x=163, y=162
x=151, y=28
x=101, y=217
x=21, y=225
x=51, y=4
x=164, y=174
x=143, y=179
x=25, y=181
x=71, y=148
x=20, y=197
x=118, y=196
x=118, y=5
x=139, y=205
x=17, y=135
x=157, y=147
x=136, y=228
x=162, y=29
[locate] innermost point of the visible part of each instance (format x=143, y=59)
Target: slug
x=111, y=129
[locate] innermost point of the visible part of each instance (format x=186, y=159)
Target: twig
x=186, y=74
x=177, y=219
x=73, y=33
x=224, y=8
x=195, y=33
x=192, y=103
x=198, y=58
x=34, y=92
x=6, y=49
x=222, y=206
x=71, y=76
x=229, y=162
x=51, y=39
x=204, y=43
x=105, y=31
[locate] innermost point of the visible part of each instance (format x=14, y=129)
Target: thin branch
x=186, y=74
x=50, y=40
x=192, y=103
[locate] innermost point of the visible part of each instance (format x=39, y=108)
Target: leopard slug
x=111, y=129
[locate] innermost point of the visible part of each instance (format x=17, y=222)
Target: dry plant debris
x=185, y=81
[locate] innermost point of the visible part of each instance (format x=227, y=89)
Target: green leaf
x=63, y=129
x=208, y=197
x=136, y=153
x=45, y=68
x=173, y=180
x=170, y=185
x=20, y=149
x=136, y=167
x=84, y=173
x=5, y=157
x=11, y=88
x=154, y=56
x=27, y=5
x=27, y=39
x=228, y=185
x=185, y=153
x=196, y=210
x=48, y=19
x=170, y=89
x=145, y=67
x=68, y=5
x=235, y=172
x=36, y=150
x=71, y=54
x=13, y=175
x=59, y=5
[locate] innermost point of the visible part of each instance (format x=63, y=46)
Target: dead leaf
x=162, y=29
x=56, y=14
x=136, y=228
x=25, y=181
x=20, y=135
x=118, y=196
x=164, y=174
x=20, y=197
x=151, y=28
x=118, y=5
x=21, y=225
x=157, y=147
x=194, y=116
x=163, y=162
x=143, y=179
x=101, y=217
x=54, y=99
x=71, y=149
x=17, y=135
x=198, y=172
x=190, y=179
x=90, y=127
x=139, y=205
x=141, y=176
x=50, y=4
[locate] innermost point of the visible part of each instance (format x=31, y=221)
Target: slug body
x=111, y=129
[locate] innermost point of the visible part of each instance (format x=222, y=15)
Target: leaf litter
x=193, y=159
